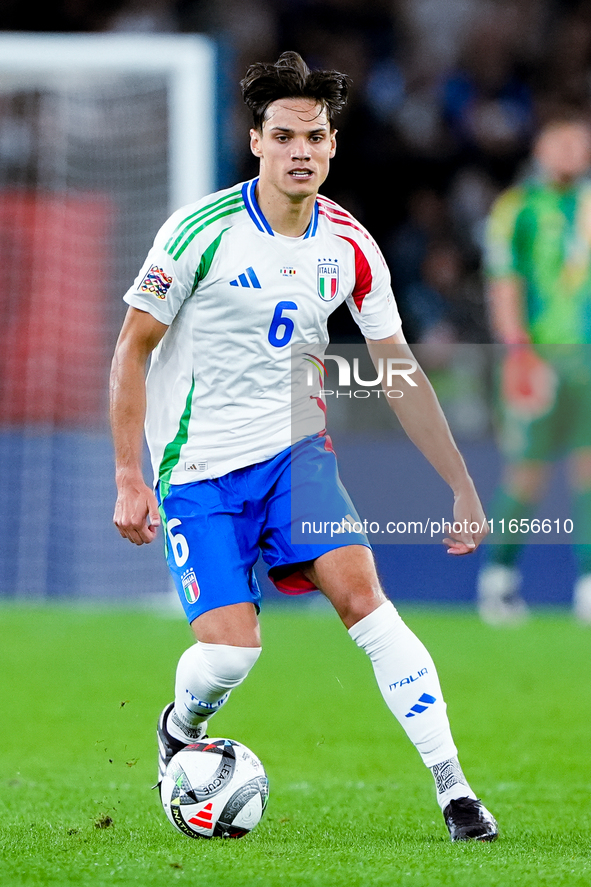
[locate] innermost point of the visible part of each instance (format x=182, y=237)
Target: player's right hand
x=136, y=513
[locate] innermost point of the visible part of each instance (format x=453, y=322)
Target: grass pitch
x=351, y=803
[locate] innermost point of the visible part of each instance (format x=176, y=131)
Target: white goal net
x=101, y=137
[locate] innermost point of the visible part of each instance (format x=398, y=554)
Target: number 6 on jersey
x=279, y=322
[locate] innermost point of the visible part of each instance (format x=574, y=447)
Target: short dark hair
x=559, y=115
x=291, y=78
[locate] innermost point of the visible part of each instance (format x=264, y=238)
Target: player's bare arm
x=424, y=422
x=136, y=510
x=506, y=310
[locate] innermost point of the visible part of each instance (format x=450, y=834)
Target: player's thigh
x=577, y=422
x=211, y=551
x=308, y=511
x=580, y=468
x=523, y=437
x=307, y=492
x=236, y=625
x=348, y=578
x=526, y=479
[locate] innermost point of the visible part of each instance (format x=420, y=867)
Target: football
x=214, y=788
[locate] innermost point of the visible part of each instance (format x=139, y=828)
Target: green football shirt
x=542, y=235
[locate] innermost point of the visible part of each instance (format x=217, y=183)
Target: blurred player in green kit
x=538, y=264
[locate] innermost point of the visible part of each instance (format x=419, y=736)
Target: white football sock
x=450, y=782
x=205, y=676
x=408, y=681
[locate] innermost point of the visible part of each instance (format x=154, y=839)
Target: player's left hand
x=469, y=527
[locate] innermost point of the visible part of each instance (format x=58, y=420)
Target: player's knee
x=358, y=608
x=526, y=481
x=227, y=666
x=354, y=604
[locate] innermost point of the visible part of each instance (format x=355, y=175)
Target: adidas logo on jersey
x=247, y=280
x=196, y=466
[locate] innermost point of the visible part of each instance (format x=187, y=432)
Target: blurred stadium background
x=116, y=128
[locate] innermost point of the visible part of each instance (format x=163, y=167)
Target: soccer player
x=231, y=284
x=539, y=268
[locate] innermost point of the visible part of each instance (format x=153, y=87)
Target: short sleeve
x=500, y=258
x=164, y=282
x=372, y=302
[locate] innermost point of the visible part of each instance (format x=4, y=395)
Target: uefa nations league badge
x=327, y=279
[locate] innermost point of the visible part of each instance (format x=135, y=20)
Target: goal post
x=102, y=136
x=187, y=63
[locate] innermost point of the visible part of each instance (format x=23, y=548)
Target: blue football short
x=291, y=509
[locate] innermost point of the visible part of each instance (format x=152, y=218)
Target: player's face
x=295, y=147
x=564, y=151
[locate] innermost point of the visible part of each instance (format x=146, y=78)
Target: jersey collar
x=259, y=220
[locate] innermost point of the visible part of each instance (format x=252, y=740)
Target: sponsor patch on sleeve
x=155, y=282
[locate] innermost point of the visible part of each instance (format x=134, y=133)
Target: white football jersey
x=237, y=297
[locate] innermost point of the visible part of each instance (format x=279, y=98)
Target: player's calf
x=498, y=595
x=582, y=599
x=206, y=675
x=407, y=678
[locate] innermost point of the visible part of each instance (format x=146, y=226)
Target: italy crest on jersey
x=328, y=280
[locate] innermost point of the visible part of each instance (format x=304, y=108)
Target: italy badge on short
x=190, y=586
x=328, y=280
